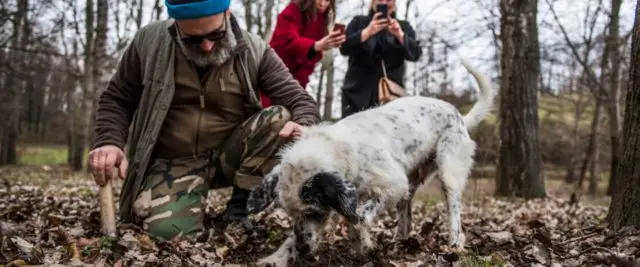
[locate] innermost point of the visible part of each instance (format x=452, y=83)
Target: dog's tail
x=484, y=105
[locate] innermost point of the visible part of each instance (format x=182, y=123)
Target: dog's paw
x=457, y=248
x=273, y=261
x=366, y=247
x=400, y=235
x=458, y=242
x=366, y=251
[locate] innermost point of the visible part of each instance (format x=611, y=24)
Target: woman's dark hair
x=309, y=11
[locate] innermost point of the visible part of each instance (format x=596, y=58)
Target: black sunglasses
x=214, y=36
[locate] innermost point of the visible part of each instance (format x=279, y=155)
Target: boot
x=236, y=210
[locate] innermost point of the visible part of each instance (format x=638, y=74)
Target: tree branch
x=592, y=76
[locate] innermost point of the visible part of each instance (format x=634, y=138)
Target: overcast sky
x=464, y=24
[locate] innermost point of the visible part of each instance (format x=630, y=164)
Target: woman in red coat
x=300, y=36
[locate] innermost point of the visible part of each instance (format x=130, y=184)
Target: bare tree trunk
x=444, y=85
x=139, y=13
x=72, y=132
x=319, y=91
x=327, y=62
x=30, y=102
x=269, y=6
x=625, y=202
x=328, y=96
x=593, y=142
x=74, y=113
x=608, y=99
x=258, y=22
x=595, y=156
x=8, y=151
x=70, y=81
x=570, y=175
x=584, y=81
x=613, y=101
x=248, y=14
x=157, y=9
x=430, y=60
x=575, y=140
x=519, y=160
x=99, y=59
x=84, y=121
x=407, y=8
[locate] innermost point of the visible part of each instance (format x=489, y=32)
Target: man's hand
x=290, y=129
x=103, y=159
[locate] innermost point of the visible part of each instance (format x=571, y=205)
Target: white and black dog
x=370, y=161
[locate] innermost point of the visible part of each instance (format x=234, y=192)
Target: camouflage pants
x=171, y=201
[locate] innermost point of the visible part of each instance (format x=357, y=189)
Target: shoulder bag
x=388, y=90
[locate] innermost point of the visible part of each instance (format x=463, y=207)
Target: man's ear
x=330, y=190
x=262, y=196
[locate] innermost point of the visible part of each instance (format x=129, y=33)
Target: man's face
x=207, y=41
x=198, y=32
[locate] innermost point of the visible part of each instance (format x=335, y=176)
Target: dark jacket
x=134, y=105
x=360, y=90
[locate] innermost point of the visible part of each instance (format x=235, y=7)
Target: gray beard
x=220, y=54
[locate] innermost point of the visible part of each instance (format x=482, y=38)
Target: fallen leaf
x=501, y=238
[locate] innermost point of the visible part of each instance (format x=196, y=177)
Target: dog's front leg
x=404, y=205
x=360, y=232
x=285, y=254
x=422, y=174
x=454, y=203
x=302, y=242
x=366, y=213
x=369, y=210
x=404, y=216
x=308, y=230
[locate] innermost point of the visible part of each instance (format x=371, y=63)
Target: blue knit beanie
x=191, y=9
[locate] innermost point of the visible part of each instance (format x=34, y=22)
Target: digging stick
x=107, y=211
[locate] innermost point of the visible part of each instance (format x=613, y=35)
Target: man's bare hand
x=103, y=159
x=291, y=129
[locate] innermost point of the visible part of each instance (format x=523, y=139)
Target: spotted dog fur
x=369, y=162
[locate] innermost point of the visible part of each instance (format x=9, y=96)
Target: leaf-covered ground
x=49, y=217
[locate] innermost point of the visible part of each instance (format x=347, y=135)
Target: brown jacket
x=133, y=107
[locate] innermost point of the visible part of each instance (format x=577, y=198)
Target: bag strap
x=384, y=69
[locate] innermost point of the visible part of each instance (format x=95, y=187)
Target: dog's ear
x=261, y=196
x=330, y=190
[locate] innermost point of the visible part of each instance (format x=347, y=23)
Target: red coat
x=293, y=38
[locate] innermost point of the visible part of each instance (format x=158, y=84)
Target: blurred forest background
x=57, y=55
x=562, y=144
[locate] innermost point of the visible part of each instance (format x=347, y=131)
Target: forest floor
x=49, y=216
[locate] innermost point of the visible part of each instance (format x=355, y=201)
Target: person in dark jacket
x=370, y=39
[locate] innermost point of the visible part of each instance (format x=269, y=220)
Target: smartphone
x=382, y=8
x=339, y=27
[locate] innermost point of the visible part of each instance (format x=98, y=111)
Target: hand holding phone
x=383, y=8
x=332, y=40
x=339, y=27
x=377, y=24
